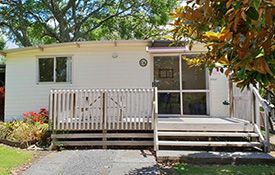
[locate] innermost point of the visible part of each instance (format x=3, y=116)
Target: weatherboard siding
x=93, y=67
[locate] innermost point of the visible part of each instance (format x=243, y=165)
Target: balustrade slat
x=71, y=108
x=89, y=111
x=121, y=118
x=80, y=110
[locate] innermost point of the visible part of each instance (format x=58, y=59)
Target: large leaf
x=252, y=13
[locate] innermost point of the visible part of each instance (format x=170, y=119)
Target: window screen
x=61, y=69
x=46, y=69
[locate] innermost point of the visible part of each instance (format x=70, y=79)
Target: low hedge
x=23, y=134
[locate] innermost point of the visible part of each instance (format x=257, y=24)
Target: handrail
x=267, y=110
x=155, y=107
x=263, y=102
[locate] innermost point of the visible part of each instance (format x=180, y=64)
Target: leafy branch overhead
x=239, y=36
x=32, y=22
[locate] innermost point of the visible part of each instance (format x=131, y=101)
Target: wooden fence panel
x=243, y=104
x=98, y=109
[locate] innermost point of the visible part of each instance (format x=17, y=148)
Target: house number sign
x=143, y=62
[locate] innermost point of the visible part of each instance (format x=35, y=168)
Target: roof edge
x=77, y=44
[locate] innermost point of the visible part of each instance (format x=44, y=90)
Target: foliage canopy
x=30, y=22
x=239, y=36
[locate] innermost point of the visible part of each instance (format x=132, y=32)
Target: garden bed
x=33, y=129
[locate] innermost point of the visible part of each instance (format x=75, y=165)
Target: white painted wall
x=93, y=67
x=218, y=87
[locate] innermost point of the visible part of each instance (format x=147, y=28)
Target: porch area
x=108, y=118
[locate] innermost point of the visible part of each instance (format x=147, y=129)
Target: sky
x=10, y=45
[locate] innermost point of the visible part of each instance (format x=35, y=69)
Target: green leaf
x=256, y=4
x=252, y=13
x=241, y=73
x=260, y=55
x=258, y=77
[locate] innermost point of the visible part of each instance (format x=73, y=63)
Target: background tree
x=32, y=22
x=239, y=35
x=2, y=46
x=2, y=43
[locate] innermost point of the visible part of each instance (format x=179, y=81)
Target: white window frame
x=55, y=57
x=181, y=90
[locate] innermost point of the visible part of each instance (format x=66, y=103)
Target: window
x=193, y=77
x=54, y=69
x=182, y=90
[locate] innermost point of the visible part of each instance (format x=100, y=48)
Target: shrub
x=26, y=132
x=22, y=132
x=2, y=102
x=4, y=130
x=33, y=129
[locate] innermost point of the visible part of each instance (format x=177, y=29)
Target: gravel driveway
x=93, y=162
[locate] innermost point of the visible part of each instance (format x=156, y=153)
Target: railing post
x=231, y=98
x=51, y=104
x=156, y=100
x=267, y=141
x=155, y=120
x=104, y=119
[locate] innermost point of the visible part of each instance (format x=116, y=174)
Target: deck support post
x=104, y=129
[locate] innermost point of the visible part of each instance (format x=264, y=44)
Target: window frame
x=70, y=72
x=181, y=90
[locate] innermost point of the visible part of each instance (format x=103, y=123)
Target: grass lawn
x=11, y=158
x=186, y=169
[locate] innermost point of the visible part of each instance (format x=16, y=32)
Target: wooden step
x=101, y=143
x=209, y=143
x=206, y=134
x=101, y=135
x=223, y=127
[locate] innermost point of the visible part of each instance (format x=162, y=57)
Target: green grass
x=11, y=158
x=186, y=169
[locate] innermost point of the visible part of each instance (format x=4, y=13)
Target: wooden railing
x=246, y=106
x=259, y=101
x=102, y=109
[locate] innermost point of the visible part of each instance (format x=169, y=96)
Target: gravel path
x=93, y=162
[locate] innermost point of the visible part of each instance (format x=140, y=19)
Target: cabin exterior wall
x=92, y=67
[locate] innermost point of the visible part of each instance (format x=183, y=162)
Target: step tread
x=208, y=143
x=101, y=135
x=108, y=143
x=206, y=127
x=207, y=134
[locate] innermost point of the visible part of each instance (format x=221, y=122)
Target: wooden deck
x=129, y=117
x=203, y=124
x=190, y=132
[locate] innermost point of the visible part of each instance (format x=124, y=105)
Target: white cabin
x=140, y=86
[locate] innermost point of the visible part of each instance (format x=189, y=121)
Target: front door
x=182, y=90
